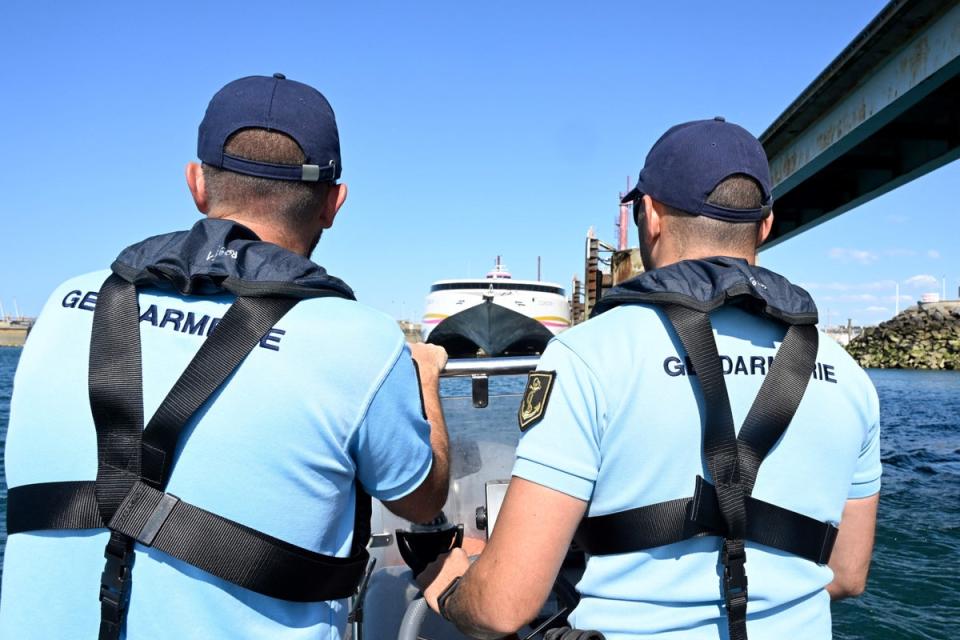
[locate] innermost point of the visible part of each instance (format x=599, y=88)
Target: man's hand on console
x=430, y=359
x=440, y=573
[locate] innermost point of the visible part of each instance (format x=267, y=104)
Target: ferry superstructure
x=544, y=302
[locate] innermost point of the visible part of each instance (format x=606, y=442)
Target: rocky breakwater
x=926, y=336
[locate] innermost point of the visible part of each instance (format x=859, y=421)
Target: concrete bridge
x=885, y=111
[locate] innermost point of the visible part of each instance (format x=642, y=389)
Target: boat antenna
x=3, y=314
x=538, y=268
x=16, y=309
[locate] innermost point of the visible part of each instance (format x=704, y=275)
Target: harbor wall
x=13, y=336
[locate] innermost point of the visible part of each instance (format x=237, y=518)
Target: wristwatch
x=445, y=595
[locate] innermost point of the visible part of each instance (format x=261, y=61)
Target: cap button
x=720, y=119
x=279, y=76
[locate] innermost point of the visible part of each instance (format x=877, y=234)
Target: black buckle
x=115, y=579
x=734, y=557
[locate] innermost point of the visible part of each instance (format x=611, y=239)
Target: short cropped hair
x=292, y=203
x=736, y=192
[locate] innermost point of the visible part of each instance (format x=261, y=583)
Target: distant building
x=844, y=334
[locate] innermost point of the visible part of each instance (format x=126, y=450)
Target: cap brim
x=633, y=194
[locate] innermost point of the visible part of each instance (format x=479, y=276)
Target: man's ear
x=764, y=229
x=336, y=196
x=197, y=186
x=651, y=225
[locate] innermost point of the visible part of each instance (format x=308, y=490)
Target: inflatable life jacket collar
x=218, y=256
x=707, y=284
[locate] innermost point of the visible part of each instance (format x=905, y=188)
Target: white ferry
x=544, y=303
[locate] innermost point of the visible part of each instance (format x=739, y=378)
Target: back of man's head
x=712, y=236
x=270, y=149
x=282, y=202
x=710, y=182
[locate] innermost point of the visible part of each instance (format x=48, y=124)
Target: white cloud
x=877, y=310
x=860, y=256
x=922, y=280
x=933, y=254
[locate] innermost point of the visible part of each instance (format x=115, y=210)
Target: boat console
x=480, y=398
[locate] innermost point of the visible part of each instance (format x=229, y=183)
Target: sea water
x=914, y=587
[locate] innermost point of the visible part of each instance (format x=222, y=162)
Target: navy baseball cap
x=688, y=162
x=277, y=104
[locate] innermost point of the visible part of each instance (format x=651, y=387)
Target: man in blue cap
x=194, y=433
x=717, y=462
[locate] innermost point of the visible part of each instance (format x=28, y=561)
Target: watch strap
x=445, y=596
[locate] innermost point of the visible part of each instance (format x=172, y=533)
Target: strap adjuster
x=143, y=513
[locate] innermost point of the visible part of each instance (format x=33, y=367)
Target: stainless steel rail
x=512, y=365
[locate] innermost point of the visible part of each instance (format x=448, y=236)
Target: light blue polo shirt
x=622, y=429
x=329, y=395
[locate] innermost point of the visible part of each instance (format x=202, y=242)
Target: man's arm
x=850, y=559
x=507, y=586
x=425, y=502
x=558, y=460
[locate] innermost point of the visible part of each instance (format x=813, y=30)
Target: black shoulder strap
x=115, y=385
x=130, y=500
x=727, y=508
x=778, y=399
x=719, y=436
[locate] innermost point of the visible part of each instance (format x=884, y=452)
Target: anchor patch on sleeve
x=534, y=403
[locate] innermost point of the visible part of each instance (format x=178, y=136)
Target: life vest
x=687, y=292
x=128, y=496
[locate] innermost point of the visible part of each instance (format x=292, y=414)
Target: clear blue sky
x=469, y=129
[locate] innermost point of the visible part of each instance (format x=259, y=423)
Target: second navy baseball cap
x=688, y=162
x=276, y=104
